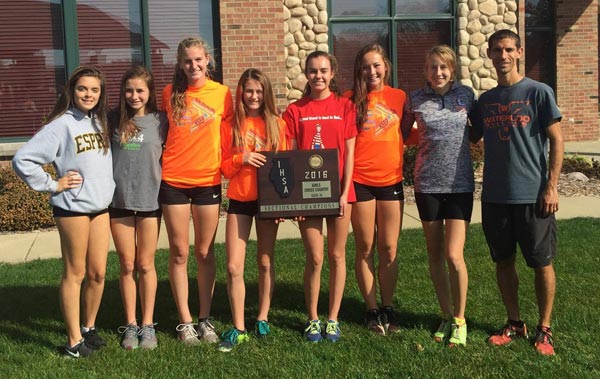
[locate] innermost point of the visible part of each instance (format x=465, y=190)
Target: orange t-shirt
x=243, y=184
x=192, y=155
x=379, y=147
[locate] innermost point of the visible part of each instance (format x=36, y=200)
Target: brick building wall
x=577, y=68
x=252, y=36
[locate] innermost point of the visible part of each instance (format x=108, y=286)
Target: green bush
x=21, y=208
x=590, y=168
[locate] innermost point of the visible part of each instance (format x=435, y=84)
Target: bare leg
x=266, y=232
x=434, y=236
x=206, y=220
x=456, y=231
x=237, y=232
x=97, y=253
x=177, y=220
x=363, y=225
x=508, y=284
x=74, y=232
x=123, y=232
x=311, y=231
x=545, y=289
x=337, y=234
x=389, y=224
x=147, y=230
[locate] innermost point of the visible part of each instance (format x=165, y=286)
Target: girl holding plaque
x=324, y=119
x=377, y=213
x=256, y=127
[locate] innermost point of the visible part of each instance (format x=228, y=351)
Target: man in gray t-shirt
x=518, y=120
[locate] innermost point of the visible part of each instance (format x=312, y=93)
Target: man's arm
x=549, y=200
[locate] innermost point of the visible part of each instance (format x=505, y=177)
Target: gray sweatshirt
x=71, y=143
x=137, y=166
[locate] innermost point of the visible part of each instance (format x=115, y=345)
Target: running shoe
x=332, y=331
x=507, y=334
x=312, y=331
x=390, y=319
x=206, y=331
x=544, y=343
x=93, y=339
x=147, y=335
x=129, y=336
x=79, y=350
x=187, y=335
x=458, y=334
x=262, y=329
x=443, y=331
x=231, y=338
x=373, y=322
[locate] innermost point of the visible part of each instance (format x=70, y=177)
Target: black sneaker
x=373, y=322
x=79, y=350
x=390, y=319
x=93, y=340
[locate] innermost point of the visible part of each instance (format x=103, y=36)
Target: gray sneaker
x=206, y=331
x=148, y=337
x=129, y=336
x=187, y=335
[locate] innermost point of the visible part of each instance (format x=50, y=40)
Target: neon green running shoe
x=231, y=338
x=443, y=331
x=458, y=336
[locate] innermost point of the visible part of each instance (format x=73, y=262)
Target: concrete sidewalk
x=23, y=247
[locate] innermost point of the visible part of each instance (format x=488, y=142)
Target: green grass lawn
x=31, y=330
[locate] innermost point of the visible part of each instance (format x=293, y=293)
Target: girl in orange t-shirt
x=377, y=213
x=256, y=127
x=197, y=108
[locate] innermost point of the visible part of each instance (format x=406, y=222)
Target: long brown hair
x=268, y=109
x=333, y=85
x=180, y=80
x=97, y=114
x=360, y=92
x=127, y=127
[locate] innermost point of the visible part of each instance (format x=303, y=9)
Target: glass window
x=32, y=64
x=407, y=31
x=359, y=8
x=110, y=38
x=169, y=24
x=345, y=39
x=413, y=41
x=422, y=6
x=540, y=53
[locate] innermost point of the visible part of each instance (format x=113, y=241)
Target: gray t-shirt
x=514, y=121
x=137, y=164
x=443, y=163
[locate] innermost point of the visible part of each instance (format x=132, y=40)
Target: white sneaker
x=206, y=331
x=187, y=335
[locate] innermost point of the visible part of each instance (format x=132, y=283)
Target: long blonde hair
x=180, y=84
x=360, y=92
x=98, y=113
x=268, y=110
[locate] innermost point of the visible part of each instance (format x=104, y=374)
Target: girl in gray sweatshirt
x=75, y=140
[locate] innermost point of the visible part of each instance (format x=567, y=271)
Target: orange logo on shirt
x=197, y=115
x=382, y=118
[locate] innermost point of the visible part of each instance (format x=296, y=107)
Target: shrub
x=21, y=208
x=408, y=166
x=590, y=168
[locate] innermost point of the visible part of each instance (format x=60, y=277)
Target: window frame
x=392, y=20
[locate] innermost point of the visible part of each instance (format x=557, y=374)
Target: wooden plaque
x=299, y=183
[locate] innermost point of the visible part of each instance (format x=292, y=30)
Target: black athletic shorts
x=248, y=208
x=441, y=206
x=170, y=195
x=120, y=213
x=367, y=193
x=60, y=212
x=505, y=225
